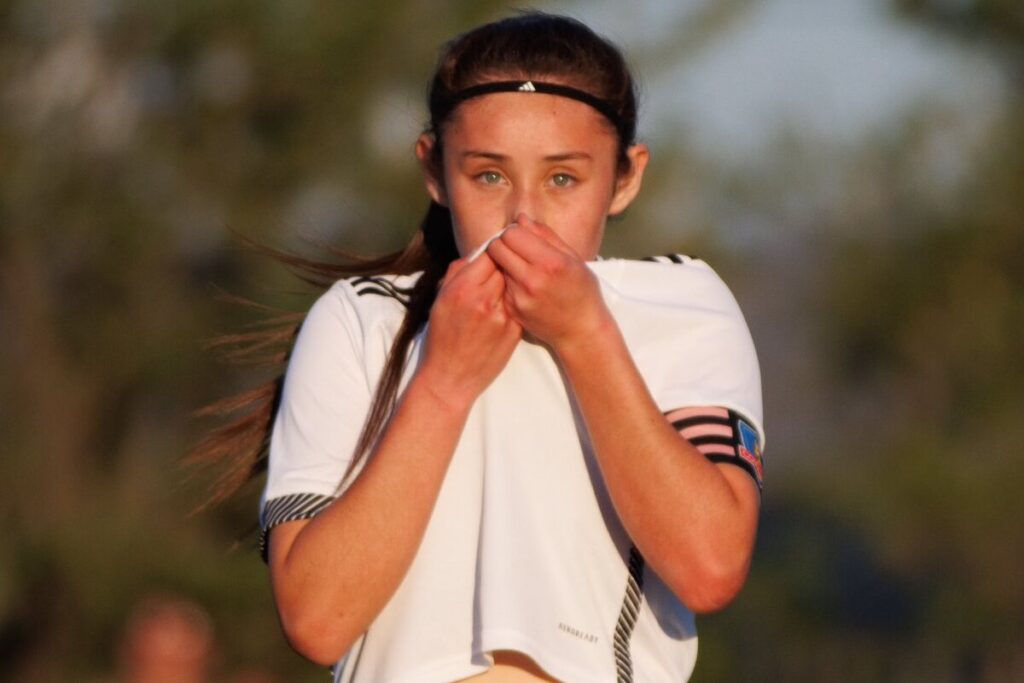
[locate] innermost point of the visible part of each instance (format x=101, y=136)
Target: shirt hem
x=448, y=670
x=552, y=664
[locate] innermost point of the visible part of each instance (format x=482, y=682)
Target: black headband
x=537, y=86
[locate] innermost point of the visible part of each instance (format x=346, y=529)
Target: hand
x=549, y=290
x=470, y=336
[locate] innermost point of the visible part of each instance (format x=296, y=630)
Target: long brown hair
x=529, y=45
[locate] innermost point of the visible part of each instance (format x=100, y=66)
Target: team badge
x=750, y=447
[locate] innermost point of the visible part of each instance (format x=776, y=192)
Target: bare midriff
x=511, y=667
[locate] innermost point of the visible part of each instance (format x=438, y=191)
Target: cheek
x=581, y=227
x=474, y=219
x=586, y=218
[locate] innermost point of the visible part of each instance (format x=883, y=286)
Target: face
x=551, y=158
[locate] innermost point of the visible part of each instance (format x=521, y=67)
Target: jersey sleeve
x=692, y=346
x=324, y=401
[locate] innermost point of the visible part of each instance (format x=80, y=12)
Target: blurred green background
x=855, y=170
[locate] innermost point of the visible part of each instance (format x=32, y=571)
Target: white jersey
x=523, y=550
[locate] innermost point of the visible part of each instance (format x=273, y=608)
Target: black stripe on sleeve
x=734, y=442
x=289, y=509
x=712, y=439
x=700, y=420
x=734, y=460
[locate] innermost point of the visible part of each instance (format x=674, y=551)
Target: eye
x=489, y=177
x=562, y=180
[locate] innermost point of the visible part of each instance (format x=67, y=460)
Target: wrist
x=588, y=340
x=439, y=391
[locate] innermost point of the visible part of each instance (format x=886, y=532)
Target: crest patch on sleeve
x=750, y=446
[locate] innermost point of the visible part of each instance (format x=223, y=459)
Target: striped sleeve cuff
x=722, y=435
x=288, y=509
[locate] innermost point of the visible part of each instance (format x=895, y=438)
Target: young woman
x=497, y=457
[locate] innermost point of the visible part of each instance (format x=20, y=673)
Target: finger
x=536, y=242
x=493, y=286
x=510, y=302
x=468, y=295
x=453, y=268
x=527, y=251
x=477, y=270
x=508, y=259
x=545, y=232
x=513, y=333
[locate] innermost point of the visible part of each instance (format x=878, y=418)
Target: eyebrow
x=565, y=156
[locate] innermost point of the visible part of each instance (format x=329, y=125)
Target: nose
x=524, y=201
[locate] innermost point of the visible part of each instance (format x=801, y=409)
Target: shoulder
x=686, y=332
x=668, y=279
x=676, y=259
x=381, y=289
x=662, y=264
x=355, y=309
x=366, y=297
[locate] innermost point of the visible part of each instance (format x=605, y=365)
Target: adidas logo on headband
x=536, y=86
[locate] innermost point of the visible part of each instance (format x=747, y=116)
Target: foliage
x=135, y=136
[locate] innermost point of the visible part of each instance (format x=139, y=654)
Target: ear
x=627, y=185
x=431, y=174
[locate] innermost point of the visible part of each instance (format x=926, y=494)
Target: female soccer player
x=497, y=457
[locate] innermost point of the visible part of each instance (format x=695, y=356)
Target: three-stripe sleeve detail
x=679, y=259
x=722, y=435
x=381, y=287
x=288, y=509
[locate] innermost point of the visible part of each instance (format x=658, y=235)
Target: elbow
x=312, y=619
x=315, y=638
x=711, y=587
x=711, y=598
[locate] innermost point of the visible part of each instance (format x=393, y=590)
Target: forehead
x=529, y=119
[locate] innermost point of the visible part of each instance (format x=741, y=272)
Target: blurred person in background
x=166, y=639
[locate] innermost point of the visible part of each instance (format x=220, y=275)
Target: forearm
x=335, y=574
x=690, y=519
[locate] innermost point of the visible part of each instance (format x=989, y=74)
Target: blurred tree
x=923, y=313
x=990, y=21
x=895, y=554
x=927, y=329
